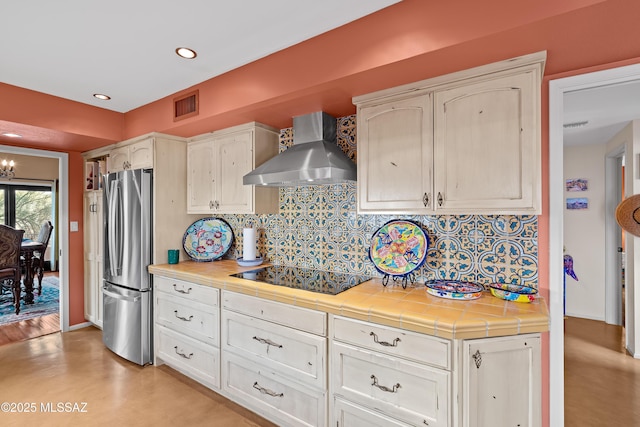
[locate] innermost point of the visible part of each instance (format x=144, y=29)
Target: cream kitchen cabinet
x=187, y=329
x=395, y=155
x=274, y=359
x=167, y=156
x=379, y=372
x=464, y=143
x=487, y=144
x=501, y=382
x=137, y=155
x=93, y=262
x=387, y=376
x=218, y=161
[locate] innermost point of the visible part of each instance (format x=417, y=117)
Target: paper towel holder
x=252, y=263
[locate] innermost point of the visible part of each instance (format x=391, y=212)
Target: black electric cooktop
x=325, y=282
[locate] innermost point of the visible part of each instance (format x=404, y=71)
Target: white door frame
x=613, y=236
x=557, y=89
x=63, y=223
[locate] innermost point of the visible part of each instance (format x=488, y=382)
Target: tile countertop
x=411, y=308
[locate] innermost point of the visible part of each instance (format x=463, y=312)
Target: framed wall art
x=577, y=184
x=577, y=203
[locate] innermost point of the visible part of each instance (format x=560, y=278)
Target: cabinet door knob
x=210, y=204
x=477, y=358
x=440, y=199
x=425, y=200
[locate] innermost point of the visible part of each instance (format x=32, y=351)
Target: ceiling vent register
x=185, y=106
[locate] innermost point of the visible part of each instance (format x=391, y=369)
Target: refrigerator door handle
x=115, y=229
x=118, y=296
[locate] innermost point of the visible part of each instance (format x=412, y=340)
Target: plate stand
x=406, y=279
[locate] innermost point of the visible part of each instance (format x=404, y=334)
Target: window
x=25, y=207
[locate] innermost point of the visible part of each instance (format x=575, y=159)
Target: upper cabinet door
x=200, y=177
x=141, y=154
x=138, y=155
x=235, y=160
x=217, y=162
x=118, y=159
x=486, y=141
x=395, y=156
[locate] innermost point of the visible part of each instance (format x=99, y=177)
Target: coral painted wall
x=76, y=242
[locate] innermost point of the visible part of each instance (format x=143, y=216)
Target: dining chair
x=10, y=273
x=37, y=262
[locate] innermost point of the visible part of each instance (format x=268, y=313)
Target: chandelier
x=6, y=171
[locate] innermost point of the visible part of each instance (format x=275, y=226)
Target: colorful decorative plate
x=454, y=289
x=516, y=293
x=207, y=239
x=398, y=248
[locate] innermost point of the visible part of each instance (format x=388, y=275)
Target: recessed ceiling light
x=186, y=53
x=12, y=135
x=101, y=96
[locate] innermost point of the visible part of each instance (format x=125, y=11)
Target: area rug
x=47, y=303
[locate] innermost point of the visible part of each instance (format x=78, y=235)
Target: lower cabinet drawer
x=414, y=393
x=304, y=319
x=296, y=354
x=199, y=321
x=193, y=358
x=347, y=414
x=191, y=291
x=269, y=394
x=395, y=342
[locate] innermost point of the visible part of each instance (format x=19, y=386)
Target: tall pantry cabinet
x=167, y=156
x=93, y=242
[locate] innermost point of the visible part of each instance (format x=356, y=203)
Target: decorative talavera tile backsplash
x=318, y=227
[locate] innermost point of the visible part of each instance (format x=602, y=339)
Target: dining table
x=27, y=248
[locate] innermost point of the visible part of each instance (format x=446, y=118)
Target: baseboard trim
x=79, y=326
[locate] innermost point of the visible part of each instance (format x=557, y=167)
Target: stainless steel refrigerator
x=127, y=289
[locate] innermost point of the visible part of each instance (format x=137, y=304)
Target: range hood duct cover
x=314, y=159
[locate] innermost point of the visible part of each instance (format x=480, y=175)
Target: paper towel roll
x=249, y=244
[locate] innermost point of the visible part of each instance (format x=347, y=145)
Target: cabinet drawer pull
x=384, y=343
x=181, y=291
x=175, y=312
x=266, y=390
x=394, y=389
x=268, y=342
x=181, y=354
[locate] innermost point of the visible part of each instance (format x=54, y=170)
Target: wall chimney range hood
x=314, y=159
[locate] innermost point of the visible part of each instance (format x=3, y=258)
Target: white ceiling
x=126, y=48
x=607, y=109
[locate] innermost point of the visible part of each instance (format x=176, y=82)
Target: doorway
x=63, y=222
x=614, y=245
x=557, y=90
